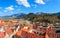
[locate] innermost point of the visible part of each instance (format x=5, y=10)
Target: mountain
x=43, y=17
x=56, y=13
x=19, y=15
x=36, y=17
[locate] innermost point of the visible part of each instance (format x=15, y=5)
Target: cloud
x=10, y=8
x=23, y=2
x=40, y=1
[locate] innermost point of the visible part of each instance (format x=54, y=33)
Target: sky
x=9, y=7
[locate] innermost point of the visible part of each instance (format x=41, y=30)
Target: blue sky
x=8, y=7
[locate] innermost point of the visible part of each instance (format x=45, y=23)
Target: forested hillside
x=44, y=17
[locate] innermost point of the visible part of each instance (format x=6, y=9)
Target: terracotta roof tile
x=9, y=30
x=18, y=33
